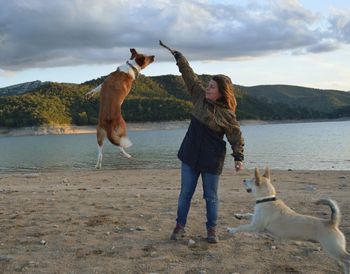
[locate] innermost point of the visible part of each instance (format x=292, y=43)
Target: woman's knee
x=211, y=197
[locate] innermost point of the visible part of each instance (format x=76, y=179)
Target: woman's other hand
x=239, y=166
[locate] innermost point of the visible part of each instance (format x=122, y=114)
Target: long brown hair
x=226, y=90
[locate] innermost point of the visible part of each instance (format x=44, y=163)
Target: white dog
x=273, y=216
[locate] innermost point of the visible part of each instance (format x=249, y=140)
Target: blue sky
x=305, y=43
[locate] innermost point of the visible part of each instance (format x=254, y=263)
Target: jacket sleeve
x=191, y=79
x=234, y=137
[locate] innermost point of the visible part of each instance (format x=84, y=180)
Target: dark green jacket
x=203, y=147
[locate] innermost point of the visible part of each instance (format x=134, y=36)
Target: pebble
x=5, y=258
x=191, y=242
x=310, y=188
x=297, y=258
x=32, y=175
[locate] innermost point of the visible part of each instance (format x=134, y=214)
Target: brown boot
x=212, y=235
x=178, y=232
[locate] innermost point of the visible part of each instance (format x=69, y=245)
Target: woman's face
x=212, y=91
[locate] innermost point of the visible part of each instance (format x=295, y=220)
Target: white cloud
x=340, y=24
x=39, y=33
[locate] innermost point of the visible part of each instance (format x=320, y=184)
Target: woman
x=203, y=149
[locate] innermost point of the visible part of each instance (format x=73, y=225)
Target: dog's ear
x=267, y=173
x=257, y=176
x=133, y=53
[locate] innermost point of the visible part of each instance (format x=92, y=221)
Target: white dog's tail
x=335, y=215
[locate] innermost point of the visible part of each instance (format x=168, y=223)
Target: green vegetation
x=163, y=98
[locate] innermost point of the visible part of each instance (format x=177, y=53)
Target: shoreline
x=73, y=129
x=135, y=126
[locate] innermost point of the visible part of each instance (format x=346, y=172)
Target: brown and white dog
x=113, y=92
x=273, y=216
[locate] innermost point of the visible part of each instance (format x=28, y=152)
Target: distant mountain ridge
x=316, y=99
x=161, y=98
x=21, y=88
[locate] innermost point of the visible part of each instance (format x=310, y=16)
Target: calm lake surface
x=303, y=146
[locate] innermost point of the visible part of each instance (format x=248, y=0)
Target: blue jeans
x=189, y=179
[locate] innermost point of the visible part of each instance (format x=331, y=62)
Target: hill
x=21, y=88
x=316, y=99
x=161, y=98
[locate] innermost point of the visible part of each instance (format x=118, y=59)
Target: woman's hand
x=239, y=166
x=177, y=54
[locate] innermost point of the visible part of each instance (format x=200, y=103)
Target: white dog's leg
x=242, y=228
x=99, y=158
x=347, y=265
x=254, y=226
x=232, y=230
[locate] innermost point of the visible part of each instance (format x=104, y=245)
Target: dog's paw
x=127, y=155
x=243, y=216
x=238, y=216
x=232, y=230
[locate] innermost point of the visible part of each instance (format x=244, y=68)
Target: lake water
x=303, y=146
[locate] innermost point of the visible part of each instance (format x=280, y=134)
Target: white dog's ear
x=267, y=173
x=257, y=176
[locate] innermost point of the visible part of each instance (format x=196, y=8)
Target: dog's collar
x=130, y=68
x=266, y=199
x=135, y=67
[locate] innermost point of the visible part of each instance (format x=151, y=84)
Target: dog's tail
x=335, y=215
x=93, y=91
x=120, y=141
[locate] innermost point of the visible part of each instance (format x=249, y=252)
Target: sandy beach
x=119, y=221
